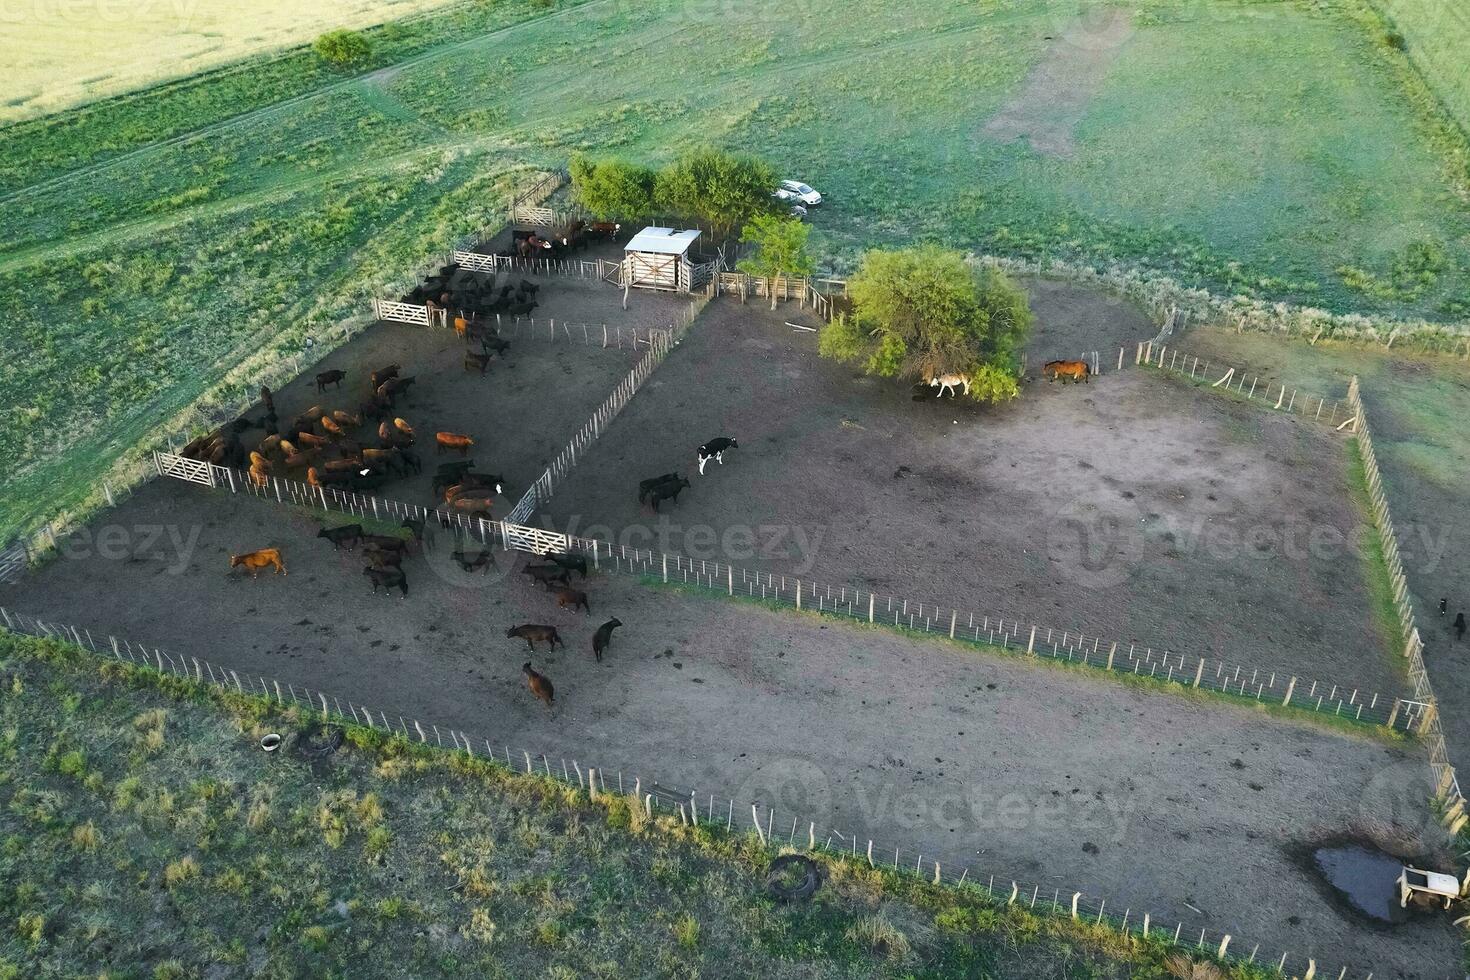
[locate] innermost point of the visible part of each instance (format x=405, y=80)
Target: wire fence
x=1255, y=388
x=519, y=327
x=661, y=799
x=1446, y=784
x=1218, y=676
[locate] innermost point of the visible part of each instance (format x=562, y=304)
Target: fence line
x=1294, y=401
x=518, y=327
x=1446, y=784
x=658, y=799
x=1257, y=684
x=541, y=489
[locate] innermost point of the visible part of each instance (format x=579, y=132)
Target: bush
x=1395, y=40
x=342, y=48
x=612, y=189
x=723, y=189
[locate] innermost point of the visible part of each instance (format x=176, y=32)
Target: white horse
x=947, y=382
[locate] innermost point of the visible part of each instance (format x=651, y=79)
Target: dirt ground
x=1011, y=768
x=1133, y=508
x=524, y=410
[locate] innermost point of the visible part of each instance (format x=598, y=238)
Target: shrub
x=342, y=48
x=84, y=837
x=610, y=189
x=1395, y=40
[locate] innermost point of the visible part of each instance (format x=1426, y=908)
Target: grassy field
x=92, y=50
x=145, y=834
x=1278, y=149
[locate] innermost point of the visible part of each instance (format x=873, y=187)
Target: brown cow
x=539, y=684
x=572, y=597
x=257, y=560
x=453, y=441
x=533, y=632
x=312, y=441
x=472, y=506
x=1071, y=370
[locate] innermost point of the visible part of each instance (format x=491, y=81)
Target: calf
x=571, y=597
x=664, y=491
x=533, y=633
x=602, y=639
x=480, y=560
x=453, y=441
x=347, y=534
x=644, y=486
x=387, y=578
x=546, y=574
x=476, y=362
x=256, y=560
x=572, y=563
x=332, y=377
x=715, y=449
x=539, y=684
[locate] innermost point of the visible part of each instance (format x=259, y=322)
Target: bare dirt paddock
x=1153, y=801
x=1134, y=508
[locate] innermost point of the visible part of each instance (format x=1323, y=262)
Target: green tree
x=342, y=48
x=609, y=189
x=780, y=244
x=924, y=312
x=721, y=189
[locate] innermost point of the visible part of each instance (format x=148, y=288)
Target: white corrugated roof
x=664, y=241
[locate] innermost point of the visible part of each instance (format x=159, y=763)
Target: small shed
x=658, y=258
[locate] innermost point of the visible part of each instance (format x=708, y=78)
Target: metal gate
x=536, y=541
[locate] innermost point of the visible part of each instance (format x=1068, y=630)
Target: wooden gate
x=180, y=468
x=13, y=561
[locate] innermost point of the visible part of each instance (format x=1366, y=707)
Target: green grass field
x=1278, y=149
x=144, y=834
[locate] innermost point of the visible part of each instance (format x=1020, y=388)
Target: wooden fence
x=1276, y=394
x=1446, y=784
x=541, y=489
x=14, y=559
x=658, y=798
x=1255, y=684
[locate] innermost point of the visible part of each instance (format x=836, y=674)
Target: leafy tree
x=722, y=189
x=780, y=249
x=342, y=48
x=924, y=312
x=610, y=189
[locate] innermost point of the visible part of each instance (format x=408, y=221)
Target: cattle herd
x=331, y=446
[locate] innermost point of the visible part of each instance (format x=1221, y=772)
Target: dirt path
x=1057, y=92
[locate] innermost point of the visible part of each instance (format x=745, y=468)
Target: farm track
x=226, y=125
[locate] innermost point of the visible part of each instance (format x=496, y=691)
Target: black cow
x=470, y=563
x=387, y=578
x=332, y=377
x=664, y=491
x=546, y=574
x=347, y=534
x=572, y=563
x=602, y=639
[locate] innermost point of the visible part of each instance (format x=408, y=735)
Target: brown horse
x=1070, y=370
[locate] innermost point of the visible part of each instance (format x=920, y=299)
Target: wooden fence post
x=1031, y=643
x=1289, y=688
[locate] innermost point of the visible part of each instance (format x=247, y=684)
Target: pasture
x=93, y=50
x=1288, y=196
